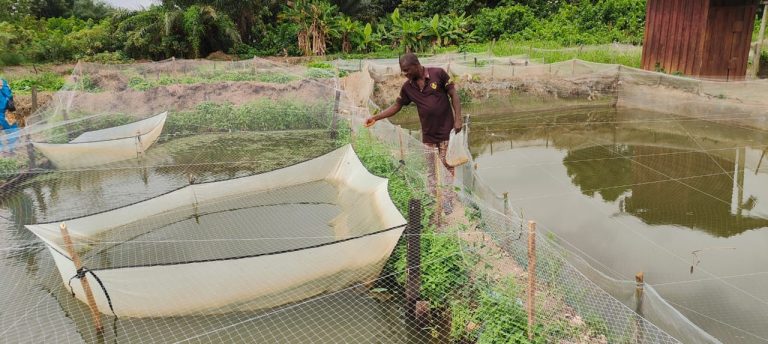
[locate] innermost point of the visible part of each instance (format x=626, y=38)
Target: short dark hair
x=409, y=59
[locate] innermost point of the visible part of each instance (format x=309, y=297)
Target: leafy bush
x=319, y=64
x=46, y=81
x=8, y=167
x=503, y=21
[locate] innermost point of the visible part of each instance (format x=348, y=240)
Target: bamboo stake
x=531, y=276
x=83, y=280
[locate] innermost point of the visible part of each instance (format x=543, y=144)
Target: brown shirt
x=432, y=103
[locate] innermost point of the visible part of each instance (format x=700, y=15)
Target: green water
x=685, y=201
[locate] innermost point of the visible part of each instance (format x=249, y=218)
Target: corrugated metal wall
x=699, y=37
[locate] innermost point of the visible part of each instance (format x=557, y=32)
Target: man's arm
x=456, y=102
x=389, y=112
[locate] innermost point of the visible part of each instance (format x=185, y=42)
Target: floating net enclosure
x=270, y=239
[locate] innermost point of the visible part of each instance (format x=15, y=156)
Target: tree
x=251, y=17
x=315, y=19
x=407, y=33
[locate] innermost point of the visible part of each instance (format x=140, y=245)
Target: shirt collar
x=426, y=77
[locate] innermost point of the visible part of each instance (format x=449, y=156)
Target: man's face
x=411, y=71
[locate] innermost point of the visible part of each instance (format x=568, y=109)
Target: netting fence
x=238, y=201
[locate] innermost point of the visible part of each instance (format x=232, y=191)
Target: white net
x=168, y=228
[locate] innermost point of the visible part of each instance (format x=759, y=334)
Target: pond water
x=36, y=306
x=685, y=201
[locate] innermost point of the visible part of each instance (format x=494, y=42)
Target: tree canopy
x=65, y=30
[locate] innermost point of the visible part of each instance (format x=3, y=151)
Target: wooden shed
x=704, y=38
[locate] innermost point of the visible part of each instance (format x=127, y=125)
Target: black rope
x=80, y=274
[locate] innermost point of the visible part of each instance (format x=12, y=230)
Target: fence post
x=438, y=199
x=531, y=277
x=413, y=258
x=65, y=115
x=83, y=280
x=30, y=148
x=639, y=286
x=402, y=148
x=506, y=203
x=334, y=115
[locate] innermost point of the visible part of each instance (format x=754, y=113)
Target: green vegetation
x=55, y=31
x=46, y=81
x=458, y=282
x=260, y=115
x=140, y=83
x=8, y=167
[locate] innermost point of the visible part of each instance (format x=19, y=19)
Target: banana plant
x=455, y=29
x=364, y=38
x=409, y=33
x=350, y=31
x=436, y=31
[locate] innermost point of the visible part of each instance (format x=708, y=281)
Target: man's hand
x=457, y=125
x=370, y=121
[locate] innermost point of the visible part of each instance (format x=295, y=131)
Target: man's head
x=410, y=66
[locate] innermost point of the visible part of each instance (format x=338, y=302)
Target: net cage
x=210, y=147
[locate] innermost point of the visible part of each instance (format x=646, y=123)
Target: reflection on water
x=708, y=194
x=633, y=191
x=35, y=306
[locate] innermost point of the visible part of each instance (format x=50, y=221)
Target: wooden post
x=531, y=276
x=65, y=115
x=334, y=115
x=475, y=61
x=30, y=148
x=402, y=149
x=83, y=280
x=413, y=257
x=438, y=199
x=506, y=203
x=760, y=37
x=638, y=333
x=639, y=285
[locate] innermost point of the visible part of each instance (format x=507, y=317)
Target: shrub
x=503, y=21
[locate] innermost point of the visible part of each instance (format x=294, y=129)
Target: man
x=9, y=131
x=429, y=88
